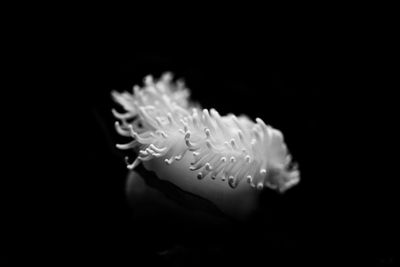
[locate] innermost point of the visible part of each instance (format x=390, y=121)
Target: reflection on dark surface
x=166, y=192
x=193, y=231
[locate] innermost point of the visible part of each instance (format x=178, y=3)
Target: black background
x=318, y=87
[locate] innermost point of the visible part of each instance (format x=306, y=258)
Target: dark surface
x=312, y=91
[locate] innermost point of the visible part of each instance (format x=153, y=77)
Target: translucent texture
x=225, y=159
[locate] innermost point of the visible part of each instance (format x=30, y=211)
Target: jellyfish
x=226, y=159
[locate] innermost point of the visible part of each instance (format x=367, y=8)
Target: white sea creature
x=225, y=159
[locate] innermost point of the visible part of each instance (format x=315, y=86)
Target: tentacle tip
x=294, y=179
x=233, y=183
x=260, y=186
x=249, y=179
